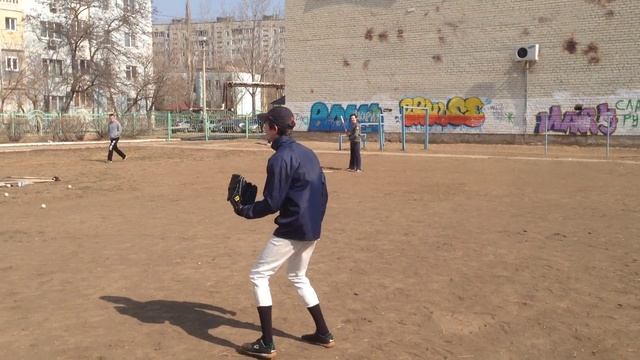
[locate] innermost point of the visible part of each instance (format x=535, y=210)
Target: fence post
x=380, y=132
x=13, y=128
x=133, y=116
x=403, y=133
x=426, y=129
x=169, y=126
x=608, y=134
x=60, y=126
x=246, y=127
x=546, y=136
x=206, y=127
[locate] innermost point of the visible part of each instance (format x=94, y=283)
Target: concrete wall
x=456, y=57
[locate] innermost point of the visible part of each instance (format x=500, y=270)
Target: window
x=128, y=5
x=10, y=23
x=57, y=30
x=82, y=66
x=50, y=29
x=12, y=63
x=132, y=72
x=133, y=104
x=129, y=40
x=53, y=6
x=82, y=99
x=78, y=26
x=54, y=103
x=52, y=67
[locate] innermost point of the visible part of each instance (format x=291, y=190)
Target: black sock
x=316, y=314
x=265, y=323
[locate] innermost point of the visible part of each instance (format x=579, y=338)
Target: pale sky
x=167, y=9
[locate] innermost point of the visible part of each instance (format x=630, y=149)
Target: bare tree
x=256, y=51
x=37, y=79
x=12, y=84
x=87, y=42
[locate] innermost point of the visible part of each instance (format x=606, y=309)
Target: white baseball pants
x=276, y=253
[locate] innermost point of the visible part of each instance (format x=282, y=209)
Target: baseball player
x=296, y=188
x=115, y=129
x=355, y=161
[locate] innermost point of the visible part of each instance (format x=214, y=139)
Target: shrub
x=16, y=128
x=70, y=128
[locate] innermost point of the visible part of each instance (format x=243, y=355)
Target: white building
x=98, y=60
x=237, y=99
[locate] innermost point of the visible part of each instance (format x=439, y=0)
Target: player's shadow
x=194, y=318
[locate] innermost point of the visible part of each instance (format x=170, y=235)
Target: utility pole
x=203, y=86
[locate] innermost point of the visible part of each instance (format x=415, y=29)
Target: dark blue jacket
x=296, y=187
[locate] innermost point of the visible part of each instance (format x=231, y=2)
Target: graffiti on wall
x=629, y=111
x=456, y=112
x=301, y=120
x=585, y=121
x=325, y=118
x=498, y=113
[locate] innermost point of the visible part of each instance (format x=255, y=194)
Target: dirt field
x=422, y=257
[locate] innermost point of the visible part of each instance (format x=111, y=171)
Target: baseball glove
x=241, y=192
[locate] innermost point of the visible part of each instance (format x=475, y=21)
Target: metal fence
x=40, y=126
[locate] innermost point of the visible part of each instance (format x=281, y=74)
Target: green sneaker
x=259, y=349
x=316, y=339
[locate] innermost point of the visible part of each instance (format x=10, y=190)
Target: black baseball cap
x=280, y=116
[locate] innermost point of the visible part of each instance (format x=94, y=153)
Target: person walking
x=355, y=161
x=115, y=130
x=296, y=188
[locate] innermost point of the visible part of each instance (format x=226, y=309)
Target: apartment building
x=96, y=60
x=226, y=45
x=11, y=54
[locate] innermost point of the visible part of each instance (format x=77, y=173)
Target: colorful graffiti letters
x=630, y=110
x=324, y=118
x=457, y=111
x=633, y=120
x=594, y=121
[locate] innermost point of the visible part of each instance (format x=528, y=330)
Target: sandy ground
x=483, y=255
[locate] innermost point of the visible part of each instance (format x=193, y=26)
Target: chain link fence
x=37, y=126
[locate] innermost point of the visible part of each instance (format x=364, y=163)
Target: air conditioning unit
x=527, y=52
x=52, y=44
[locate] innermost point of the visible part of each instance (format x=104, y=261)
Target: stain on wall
x=570, y=45
x=592, y=53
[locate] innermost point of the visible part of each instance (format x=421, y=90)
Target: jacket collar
x=281, y=140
